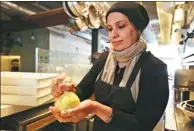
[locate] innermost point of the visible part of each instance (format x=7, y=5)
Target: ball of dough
x=67, y=100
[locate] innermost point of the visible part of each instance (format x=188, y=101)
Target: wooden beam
x=40, y=20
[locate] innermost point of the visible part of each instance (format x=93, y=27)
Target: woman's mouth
x=116, y=42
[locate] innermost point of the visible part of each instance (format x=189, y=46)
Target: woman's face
x=122, y=32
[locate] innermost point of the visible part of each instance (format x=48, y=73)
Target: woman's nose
x=114, y=33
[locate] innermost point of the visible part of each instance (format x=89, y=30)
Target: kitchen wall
x=27, y=47
x=62, y=40
x=56, y=38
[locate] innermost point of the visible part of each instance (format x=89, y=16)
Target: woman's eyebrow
x=118, y=22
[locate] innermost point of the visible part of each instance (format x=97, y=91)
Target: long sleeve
x=151, y=103
x=86, y=87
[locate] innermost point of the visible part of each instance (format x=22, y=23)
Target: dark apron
x=115, y=97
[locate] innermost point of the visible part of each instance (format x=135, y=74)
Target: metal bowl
x=81, y=8
x=68, y=10
x=187, y=108
x=87, y=21
x=81, y=24
x=184, y=118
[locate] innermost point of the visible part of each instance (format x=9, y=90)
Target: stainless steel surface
x=183, y=117
x=181, y=95
x=183, y=84
x=184, y=78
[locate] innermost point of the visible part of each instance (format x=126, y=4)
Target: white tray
x=7, y=110
x=27, y=79
x=23, y=90
x=24, y=100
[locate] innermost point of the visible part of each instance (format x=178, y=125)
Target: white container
x=27, y=79
x=25, y=100
x=24, y=90
x=7, y=110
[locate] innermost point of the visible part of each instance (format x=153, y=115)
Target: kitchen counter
x=7, y=110
x=28, y=120
x=40, y=118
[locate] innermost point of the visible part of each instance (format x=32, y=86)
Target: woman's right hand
x=61, y=83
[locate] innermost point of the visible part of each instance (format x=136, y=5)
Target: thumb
x=67, y=87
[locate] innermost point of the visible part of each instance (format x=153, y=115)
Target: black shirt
x=152, y=98
x=118, y=75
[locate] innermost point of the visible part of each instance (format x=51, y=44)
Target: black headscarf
x=135, y=12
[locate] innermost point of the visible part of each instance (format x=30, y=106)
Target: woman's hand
x=76, y=114
x=60, y=84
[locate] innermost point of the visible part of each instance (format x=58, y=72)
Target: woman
x=130, y=84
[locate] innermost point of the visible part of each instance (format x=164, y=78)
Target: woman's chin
x=118, y=49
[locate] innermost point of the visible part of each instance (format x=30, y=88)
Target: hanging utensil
x=74, y=26
x=81, y=7
x=87, y=21
x=81, y=24
x=73, y=9
x=68, y=10
x=94, y=17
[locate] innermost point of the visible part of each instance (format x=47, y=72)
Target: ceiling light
x=179, y=15
x=32, y=37
x=179, y=3
x=18, y=39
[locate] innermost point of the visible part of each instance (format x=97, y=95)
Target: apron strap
x=135, y=70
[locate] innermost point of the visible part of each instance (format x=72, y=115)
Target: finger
x=56, y=114
x=53, y=111
x=56, y=94
x=67, y=79
x=54, y=88
x=75, y=118
x=62, y=76
x=66, y=87
x=66, y=113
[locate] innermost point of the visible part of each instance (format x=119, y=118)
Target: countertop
x=24, y=117
x=7, y=110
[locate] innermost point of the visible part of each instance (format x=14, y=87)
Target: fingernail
x=64, y=112
x=50, y=108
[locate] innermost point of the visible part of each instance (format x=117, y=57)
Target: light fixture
x=32, y=37
x=179, y=16
x=18, y=39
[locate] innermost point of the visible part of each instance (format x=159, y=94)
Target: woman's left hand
x=76, y=114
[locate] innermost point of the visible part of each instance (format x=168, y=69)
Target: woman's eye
x=121, y=26
x=109, y=29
